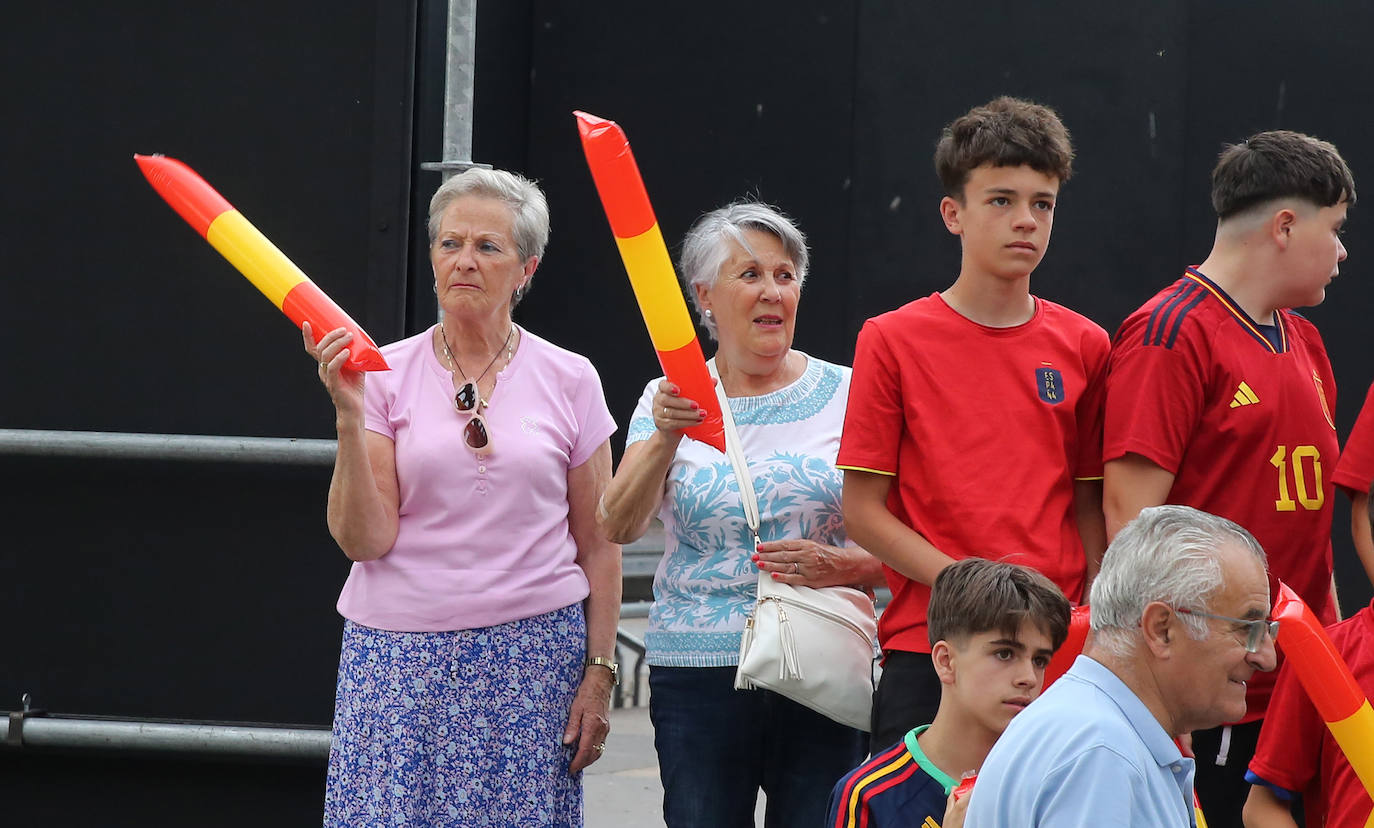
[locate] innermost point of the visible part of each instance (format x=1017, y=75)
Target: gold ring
x=796, y=568
x=601, y=748
x=324, y=365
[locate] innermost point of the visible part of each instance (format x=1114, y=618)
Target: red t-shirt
x=986, y=430
x=1245, y=427
x=1296, y=749
x=1355, y=471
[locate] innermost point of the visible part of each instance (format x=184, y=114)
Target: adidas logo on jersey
x=1244, y=396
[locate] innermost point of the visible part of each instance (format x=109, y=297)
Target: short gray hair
x=707, y=245
x=530, y=211
x=1169, y=554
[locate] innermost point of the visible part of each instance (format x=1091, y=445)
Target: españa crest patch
x=1049, y=384
x=1321, y=395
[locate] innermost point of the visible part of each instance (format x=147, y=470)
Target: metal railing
x=113, y=445
x=35, y=729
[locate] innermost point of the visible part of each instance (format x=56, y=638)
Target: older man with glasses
x=1180, y=624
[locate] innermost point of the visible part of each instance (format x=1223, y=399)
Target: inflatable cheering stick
x=255, y=257
x=1079, y=623
x=1328, y=682
x=651, y=271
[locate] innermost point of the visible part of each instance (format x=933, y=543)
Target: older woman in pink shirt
x=476, y=672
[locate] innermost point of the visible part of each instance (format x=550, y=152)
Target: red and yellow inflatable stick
x=651, y=270
x=1328, y=682
x=255, y=257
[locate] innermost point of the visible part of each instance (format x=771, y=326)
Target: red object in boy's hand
x=966, y=786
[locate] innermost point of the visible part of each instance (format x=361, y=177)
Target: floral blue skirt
x=457, y=728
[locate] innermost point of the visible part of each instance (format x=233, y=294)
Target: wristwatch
x=598, y=661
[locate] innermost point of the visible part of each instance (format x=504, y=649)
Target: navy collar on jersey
x=1251, y=326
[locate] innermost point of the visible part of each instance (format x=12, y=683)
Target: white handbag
x=814, y=646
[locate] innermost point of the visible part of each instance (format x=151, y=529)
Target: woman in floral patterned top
x=744, y=265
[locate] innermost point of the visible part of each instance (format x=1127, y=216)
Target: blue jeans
x=717, y=746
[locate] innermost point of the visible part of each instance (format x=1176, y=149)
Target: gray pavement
x=622, y=789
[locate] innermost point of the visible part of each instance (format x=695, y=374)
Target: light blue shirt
x=1087, y=753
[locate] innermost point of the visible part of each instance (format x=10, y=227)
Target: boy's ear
x=1281, y=226
x=942, y=655
x=950, y=209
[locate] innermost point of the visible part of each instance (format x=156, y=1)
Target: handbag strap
x=738, y=461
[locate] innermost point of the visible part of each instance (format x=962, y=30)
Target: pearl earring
x=708, y=313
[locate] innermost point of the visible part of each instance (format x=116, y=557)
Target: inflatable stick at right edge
x=651, y=270
x=1328, y=682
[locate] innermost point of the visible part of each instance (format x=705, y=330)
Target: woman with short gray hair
x=744, y=265
x=479, y=644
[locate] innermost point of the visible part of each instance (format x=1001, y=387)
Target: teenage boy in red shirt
x=974, y=420
x=1355, y=474
x=1220, y=398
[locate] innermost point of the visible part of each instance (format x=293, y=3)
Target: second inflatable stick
x=651, y=270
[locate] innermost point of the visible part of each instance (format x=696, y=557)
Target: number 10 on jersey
x=1302, y=461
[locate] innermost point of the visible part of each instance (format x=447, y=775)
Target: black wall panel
x=157, y=589
x=185, y=590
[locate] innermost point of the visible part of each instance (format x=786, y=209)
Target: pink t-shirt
x=482, y=541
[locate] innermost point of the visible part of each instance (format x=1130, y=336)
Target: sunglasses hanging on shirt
x=468, y=398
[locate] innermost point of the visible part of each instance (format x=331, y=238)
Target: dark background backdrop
x=207, y=591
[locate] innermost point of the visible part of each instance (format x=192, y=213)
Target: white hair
x=1169, y=554
x=707, y=245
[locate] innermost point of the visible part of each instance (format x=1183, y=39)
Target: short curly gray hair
x=526, y=201
x=707, y=245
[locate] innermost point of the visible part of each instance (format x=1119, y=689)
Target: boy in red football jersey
x=1355, y=474
x=974, y=417
x=1220, y=398
x=1298, y=756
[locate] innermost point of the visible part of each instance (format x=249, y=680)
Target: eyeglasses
x=1254, y=627
x=475, y=434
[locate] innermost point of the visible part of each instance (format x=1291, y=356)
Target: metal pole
x=206, y=740
x=459, y=63
x=197, y=447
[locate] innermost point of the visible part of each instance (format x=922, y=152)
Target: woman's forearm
x=360, y=518
x=598, y=556
x=634, y=494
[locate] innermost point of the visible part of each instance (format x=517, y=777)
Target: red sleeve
x=874, y=417
x=1155, y=396
x=1355, y=471
x=1096, y=348
x=1290, y=742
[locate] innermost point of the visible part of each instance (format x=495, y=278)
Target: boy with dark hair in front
x=974, y=416
x=992, y=627
x=1219, y=397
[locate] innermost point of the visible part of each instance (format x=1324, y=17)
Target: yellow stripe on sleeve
x=870, y=471
x=851, y=807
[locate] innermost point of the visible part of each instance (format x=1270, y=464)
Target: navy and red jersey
x=1296, y=751
x=1244, y=424
x=896, y=788
x=985, y=431
x=1355, y=472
